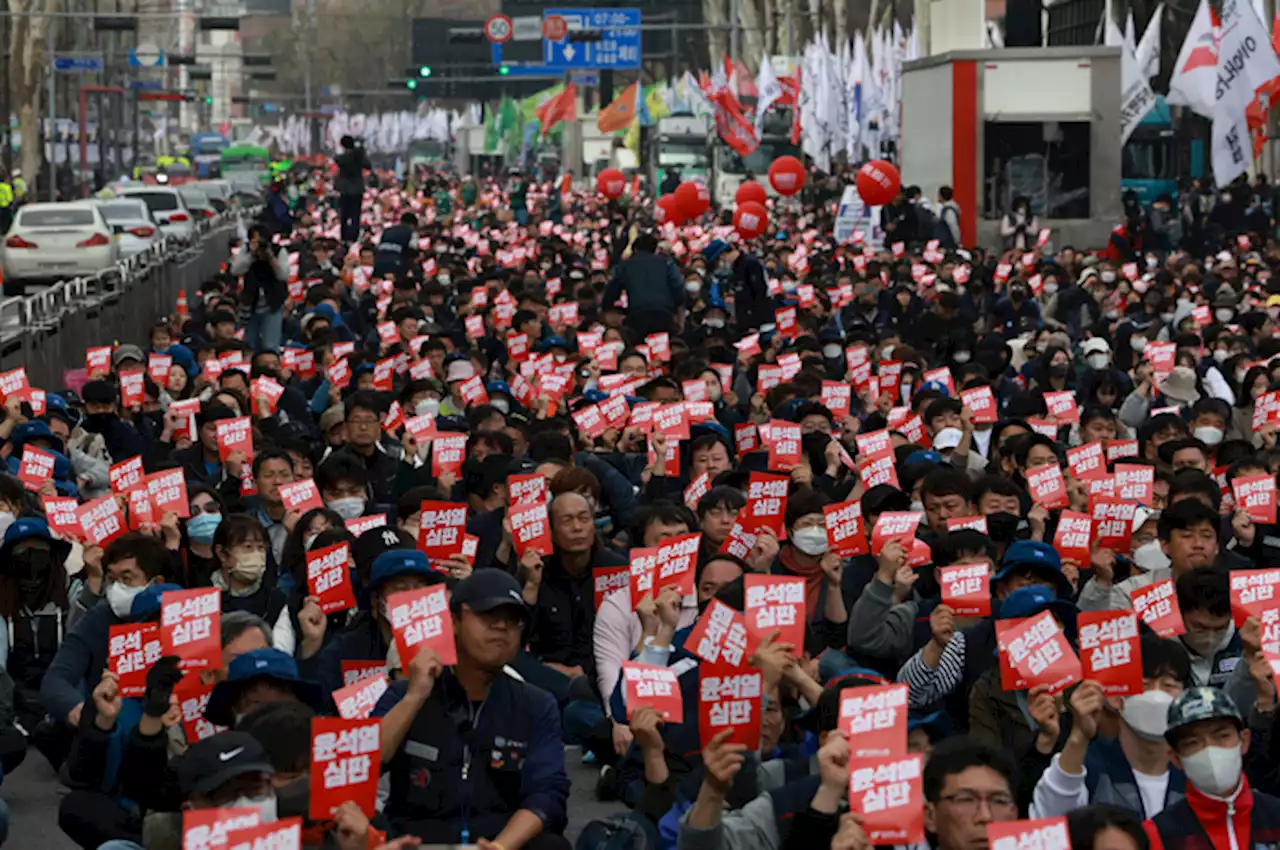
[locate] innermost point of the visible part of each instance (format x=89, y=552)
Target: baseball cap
x=825, y=715
x=245, y=669
x=127, y=352
x=459, y=370
x=1097, y=345
x=99, y=392
x=32, y=528
x=1031, y=600
x=1040, y=558
x=1200, y=703
x=401, y=562
x=485, y=590
x=147, y=603
x=209, y=764
x=375, y=541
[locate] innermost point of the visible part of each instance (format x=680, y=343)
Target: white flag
x=1245, y=63
x=1136, y=97
x=1149, y=48
x=768, y=91
x=1195, y=72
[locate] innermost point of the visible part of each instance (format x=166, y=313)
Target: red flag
x=562, y=107
x=795, y=109
x=790, y=90
x=737, y=132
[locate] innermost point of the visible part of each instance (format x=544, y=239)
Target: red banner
x=1157, y=605
x=889, y=797
x=657, y=687
x=329, y=577
x=345, y=758
x=420, y=619
x=132, y=649
x=730, y=698
x=776, y=603
x=1110, y=653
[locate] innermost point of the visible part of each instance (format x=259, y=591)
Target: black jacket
x=564, y=616
x=351, y=167
x=396, y=251
x=651, y=281
x=751, y=302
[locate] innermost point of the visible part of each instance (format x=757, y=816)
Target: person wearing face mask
x=241, y=547
x=102, y=417
x=1213, y=643
x=1209, y=741
x=806, y=554
x=1011, y=309
x=1130, y=771
x=365, y=452
x=742, y=275
x=1096, y=352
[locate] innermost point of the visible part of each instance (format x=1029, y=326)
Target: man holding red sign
x=433, y=738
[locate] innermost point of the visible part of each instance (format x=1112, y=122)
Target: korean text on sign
x=345, y=757
x=190, y=627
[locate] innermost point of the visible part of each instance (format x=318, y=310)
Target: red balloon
x=750, y=191
x=669, y=210
x=611, y=182
x=750, y=219
x=694, y=198
x=786, y=175
x=878, y=182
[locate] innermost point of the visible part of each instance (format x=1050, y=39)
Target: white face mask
x=250, y=566
x=1051, y=288
x=1208, y=435
x=120, y=598
x=307, y=541
x=1224, y=314
x=832, y=352
x=693, y=287
x=266, y=807
x=501, y=405
x=811, y=541
x=349, y=508
x=429, y=406
x=714, y=323
x=444, y=279
x=1147, y=714
x=1220, y=355
x=789, y=286
x=886, y=353
x=961, y=356
x=713, y=391
x=1214, y=770
x=1097, y=361
x=1108, y=277
x=1138, y=343
x=1149, y=556
x=1204, y=644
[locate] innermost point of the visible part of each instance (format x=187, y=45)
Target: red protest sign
x=167, y=491
x=235, y=435
x=1256, y=496
x=838, y=398
x=359, y=670
x=977, y=523
x=1087, y=462
x=746, y=438
x=1047, y=487
x=1044, y=834
x=874, y=442
x=784, y=445
x=719, y=635
x=1113, y=522
x=890, y=373
x=608, y=580
x=730, y=698
x=97, y=361
x=1062, y=406
x=889, y=797
x=676, y=560
x=190, y=627
x=672, y=421
x=440, y=528
x=101, y=520
x=1072, y=538
x=590, y=421
x=36, y=467
x=356, y=701
x=140, y=513
x=1117, y=449
x=875, y=720
x=893, y=525
x=656, y=687
x=766, y=503
x=659, y=347
x=208, y=829
x=776, y=603
x=447, y=454
x=420, y=619
x=526, y=489
x=1252, y=592
x=132, y=648
x=1135, y=482
x=125, y=475
x=981, y=403
x=158, y=368
x=133, y=388
x=966, y=589
x=61, y=514
x=1157, y=605
x=1040, y=653
x=345, y=760
x=644, y=563
x=531, y=528
x=845, y=533
x=329, y=578
x=1110, y=653
x=284, y=834
x=697, y=488
x=301, y=496
x=193, y=695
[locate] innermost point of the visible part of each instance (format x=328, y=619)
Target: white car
x=167, y=207
x=197, y=201
x=134, y=227
x=56, y=242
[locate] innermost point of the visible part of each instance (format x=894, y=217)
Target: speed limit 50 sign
x=498, y=29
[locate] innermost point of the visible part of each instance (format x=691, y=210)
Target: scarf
x=813, y=577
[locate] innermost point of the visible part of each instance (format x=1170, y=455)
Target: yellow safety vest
x=20, y=187
x=6, y=195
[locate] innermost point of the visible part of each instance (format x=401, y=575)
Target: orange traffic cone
x=181, y=309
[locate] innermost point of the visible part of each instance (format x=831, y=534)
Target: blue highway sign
x=77, y=64
x=618, y=47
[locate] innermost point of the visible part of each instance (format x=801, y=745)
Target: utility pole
x=734, y=15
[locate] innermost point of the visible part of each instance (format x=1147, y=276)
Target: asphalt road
x=33, y=792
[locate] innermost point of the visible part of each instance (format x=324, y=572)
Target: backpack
x=619, y=832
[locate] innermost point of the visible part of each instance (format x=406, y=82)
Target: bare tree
x=28, y=67
x=715, y=13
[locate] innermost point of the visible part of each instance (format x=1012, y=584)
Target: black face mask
x=293, y=799
x=1059, y=371
x=98, y=423
x=33, y=568
x=1002, y=526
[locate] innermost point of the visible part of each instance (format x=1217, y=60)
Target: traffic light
x=424, y=71
x=208, y=101
x=411, y=84
x=503, y=70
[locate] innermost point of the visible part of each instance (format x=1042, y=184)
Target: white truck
x=683, y=142
x=731, y=169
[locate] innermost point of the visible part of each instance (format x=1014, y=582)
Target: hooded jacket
x=1200, y=822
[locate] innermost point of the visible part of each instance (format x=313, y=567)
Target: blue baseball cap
x=32, y=528
x=147, y=603
x=400, y=562
x=1032, y=599
x=494, y=387
x=714, y=249
x=1040, y=558
x=246, y=669
x=934, y=385
x=554, y=342
x=31, y=431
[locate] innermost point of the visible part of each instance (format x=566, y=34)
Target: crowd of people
x=1092, y=438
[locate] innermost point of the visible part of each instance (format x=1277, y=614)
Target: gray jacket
x=878, y=627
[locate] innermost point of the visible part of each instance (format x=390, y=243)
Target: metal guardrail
x=47, y=332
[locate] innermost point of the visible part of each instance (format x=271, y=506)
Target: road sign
x=618, y=47
x=526, y=28
x=585, y=78
x=77, y=64
x=146, y=55
x=554, y=28
x=145, y=84
x=498, y=29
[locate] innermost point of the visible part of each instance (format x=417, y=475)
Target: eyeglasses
x=969, y=800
